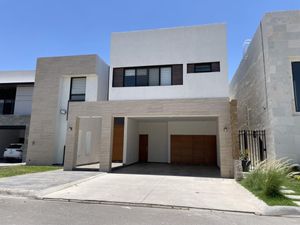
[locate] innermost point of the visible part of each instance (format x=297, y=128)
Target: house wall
x=263, y=84
x=89, y=133
x=102, y=70
x=249, y=88
x=214, y=107
x=46, y=123
x=16, y=77
x=23, y=100
x=282, y=46
x=61, y=127
x=157, y=140
x=172, y=46
x=131, y=142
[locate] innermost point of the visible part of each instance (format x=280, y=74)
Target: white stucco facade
x=23, y=100
x=196, y=44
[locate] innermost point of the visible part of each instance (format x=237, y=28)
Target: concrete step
x=294, y=197
x=297, y=202
x=287, y=191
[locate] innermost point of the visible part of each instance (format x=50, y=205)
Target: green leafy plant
x=268, y=177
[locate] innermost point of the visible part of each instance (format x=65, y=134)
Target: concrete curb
x=39, y=194
x=145, y=205
x=281, y=211
x=17, y=193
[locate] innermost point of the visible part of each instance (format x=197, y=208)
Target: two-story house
x=164, y=99
x=16, y=88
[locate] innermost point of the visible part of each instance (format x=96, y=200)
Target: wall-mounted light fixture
x=63, y=111
x=70, y=128
x=225, y=129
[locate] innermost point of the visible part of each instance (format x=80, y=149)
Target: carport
x=167, y=145
x=11, y=134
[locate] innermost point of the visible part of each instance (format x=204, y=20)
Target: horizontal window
x=77, y=90
x=206, y=67
x=148, y=76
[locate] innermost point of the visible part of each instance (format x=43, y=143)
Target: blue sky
x=37, y=28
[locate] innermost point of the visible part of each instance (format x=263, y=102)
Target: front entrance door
x=118, y=138
x=143, y=148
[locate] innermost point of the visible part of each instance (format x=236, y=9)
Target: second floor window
x=7, y=100
x=148, y=76
x=77, y=92
x=206, y=67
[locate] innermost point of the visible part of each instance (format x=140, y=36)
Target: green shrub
x=268, y=177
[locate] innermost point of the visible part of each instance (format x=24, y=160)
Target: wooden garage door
x=194, y=149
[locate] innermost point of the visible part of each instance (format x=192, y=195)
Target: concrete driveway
x=182, y=191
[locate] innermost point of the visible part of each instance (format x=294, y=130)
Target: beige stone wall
x=234, y=129
x=216, y=107
x=45, y=103
x=263, y=84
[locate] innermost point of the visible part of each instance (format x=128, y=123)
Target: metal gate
x=253, y=143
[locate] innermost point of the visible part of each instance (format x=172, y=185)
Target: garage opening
x=11, y=135
x=185, y=146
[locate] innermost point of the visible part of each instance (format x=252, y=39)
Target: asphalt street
x=23, y=211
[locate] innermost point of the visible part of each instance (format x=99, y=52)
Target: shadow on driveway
x=169, y=170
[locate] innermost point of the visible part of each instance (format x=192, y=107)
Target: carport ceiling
x=161, y=119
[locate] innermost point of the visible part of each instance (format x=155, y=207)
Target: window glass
x=165, y=76
x=78, y=88
x=8, y=107
x=296, y=82
x=202, y=68
x=78, y=85
x=1, y=106
x=153, y=76
x=141, y=77
x=7, y=100
x=129, y=79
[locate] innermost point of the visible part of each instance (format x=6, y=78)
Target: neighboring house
x=16, y=88
x=59, y=81
x=267, y=84
x=164, y=99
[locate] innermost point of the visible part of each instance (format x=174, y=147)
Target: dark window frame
x=147, y=68
x=8, y=96
x=70, y=94
x=191, y=67
x=295, y=87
